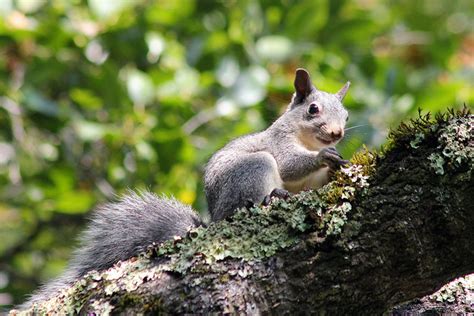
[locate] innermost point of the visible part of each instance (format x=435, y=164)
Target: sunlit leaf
x=6, y=6
x=29, y=6
x=275, y=48
x=145, y=151
x=85, y=98
x=156, y=45
x=250, y=87
x=105, y=9
x=90, y=131
x=227, y=71
x=140, y=87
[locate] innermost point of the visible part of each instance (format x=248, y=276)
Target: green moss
x=410, y=134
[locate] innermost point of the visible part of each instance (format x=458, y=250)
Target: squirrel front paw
x=331, y=158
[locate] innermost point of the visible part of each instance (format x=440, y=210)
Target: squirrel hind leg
x=254, y=177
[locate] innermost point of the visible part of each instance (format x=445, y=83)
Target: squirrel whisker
x=356, y=126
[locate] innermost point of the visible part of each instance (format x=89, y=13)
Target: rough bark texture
x=391, y=228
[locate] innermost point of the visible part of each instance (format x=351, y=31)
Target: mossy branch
x=390, y=228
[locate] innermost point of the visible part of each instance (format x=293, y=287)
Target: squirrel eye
x=313, y=109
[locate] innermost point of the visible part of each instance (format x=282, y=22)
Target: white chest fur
x=314, y=180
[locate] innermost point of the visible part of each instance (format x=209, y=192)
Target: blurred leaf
x=105, y=9
x=170, y=12
x=140, y=87
x=38, y=103
x=86, y=98
x=73, y=202
x=250, y=87
x=275, y=48
x=228, y=71
x=29, y=6
x=307, y=17
x=156, y=45
x=63, y=179
x=91, y=131
x=6, y=6
x=145, y=151
x=439, y=98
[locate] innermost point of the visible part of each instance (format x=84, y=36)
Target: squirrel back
x=118, y=231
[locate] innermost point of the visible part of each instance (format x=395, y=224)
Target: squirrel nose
x=337, y=133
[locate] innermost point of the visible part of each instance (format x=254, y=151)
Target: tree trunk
x=391, y=228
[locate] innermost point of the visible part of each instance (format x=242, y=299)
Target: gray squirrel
x=295, y=153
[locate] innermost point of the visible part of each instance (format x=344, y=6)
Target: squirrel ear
x=342, y=93
x=303, y=84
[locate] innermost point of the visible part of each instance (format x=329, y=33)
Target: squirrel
x=295, y=153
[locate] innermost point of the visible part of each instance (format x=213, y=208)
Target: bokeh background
x=103, y=95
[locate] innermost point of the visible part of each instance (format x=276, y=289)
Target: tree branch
x=392, y=227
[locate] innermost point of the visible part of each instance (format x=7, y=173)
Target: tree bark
x=401, y=236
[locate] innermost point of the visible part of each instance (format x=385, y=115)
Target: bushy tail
x=119, y=231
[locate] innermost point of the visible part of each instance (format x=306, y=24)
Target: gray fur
x=121, y=230
x=285, y=154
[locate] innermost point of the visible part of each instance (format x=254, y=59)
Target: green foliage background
x=100, y=96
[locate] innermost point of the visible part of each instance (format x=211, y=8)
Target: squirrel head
x=320, y=116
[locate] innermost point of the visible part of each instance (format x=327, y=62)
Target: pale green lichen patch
x=415, y=142
x=255, y=233
x=437, y=163
x=456, y=145
x=337, y=197
x=102, y=307
x=459, y=291
x=124, y=277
